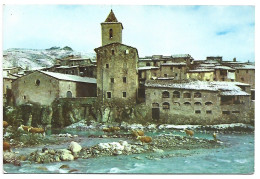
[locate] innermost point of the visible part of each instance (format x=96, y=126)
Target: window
x=208, y=112
x=165, y=94
x=171, y=68
x=127, y=51
x=226, y=112
x=186, y=95
x=235, y=112
x=148, y=64
x=164, y=61
x=69, y=94
x=112, y=80
x=113, y=52
x=223, y=79
x=176, y=74
x=124, y=94
x=154, y=64
x=176, y=94
x=197, y=95
x=110, y=33
x=108, y=94
x=197, y=111
x=179, y=67
x=107, y=65
x=165, y=75
x=155, y=105
x=124, y=79
x=242, y=79
x=208, y=103
x=166, y=105
x=187, y=103
x=37, y=82
x=176, y=104
x=24, y=97
x=197, y=103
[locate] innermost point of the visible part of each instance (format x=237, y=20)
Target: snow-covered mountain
x=32, y=59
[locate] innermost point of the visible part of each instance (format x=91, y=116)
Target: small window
x=164, y=61
x=179, y=67
x=108, y=94
x=197, y=95
x=165, y=75
x=171, y=68
x=37, y=82
x=127, y=51
x=176, y=74
x=107, y=65
x=235, y=112
x=187, y=103
x=242, y=79
x=208, y=112
x=186, y=95
x=112, y=80
x=24, y=97
x=110, y=33
x=155, y=105
x=176, y=94
x=226, y=112
x=166, y=105
x=197, y=103
x=197, y=111
x=113, y=52
x=148, y=64
x=124, y=94
x=208, y=103
x=124, y=79
x=165, y=94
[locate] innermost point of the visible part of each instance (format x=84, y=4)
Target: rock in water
x=64, y=166
x=74, y=147
x=67, y=157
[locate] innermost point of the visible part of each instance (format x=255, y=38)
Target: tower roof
x=111, y=17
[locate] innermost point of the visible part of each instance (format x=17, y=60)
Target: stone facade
x=43, y=88
x=187, y=101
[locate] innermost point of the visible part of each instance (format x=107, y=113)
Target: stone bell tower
x=111, y=30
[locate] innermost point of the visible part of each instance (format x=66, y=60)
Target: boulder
x=74, y=147
x=66, y=157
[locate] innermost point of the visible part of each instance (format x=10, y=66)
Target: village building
x=197, y=99
x=117, y=75
x=43, y=87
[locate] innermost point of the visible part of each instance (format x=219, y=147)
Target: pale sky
x=200, y=31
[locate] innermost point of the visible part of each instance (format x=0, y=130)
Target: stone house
x=201, y=74
x=117, y=75
x=44, y=87
x=199, y=100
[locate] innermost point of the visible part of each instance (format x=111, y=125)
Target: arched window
x=166, y=105
x=186, y=95
x=187, y=103
x=197, y=95
x=37, y=82
x=165, y=94
x=176, y=104
x=110, y=33
x=176, y=94
x=69, y=94
x=155, y=105
x=197, y=103
x=208, y=103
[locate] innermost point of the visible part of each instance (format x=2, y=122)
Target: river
x=235, y=156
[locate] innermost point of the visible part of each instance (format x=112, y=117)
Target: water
x=236, y=156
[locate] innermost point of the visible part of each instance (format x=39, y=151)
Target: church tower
x=111, y=30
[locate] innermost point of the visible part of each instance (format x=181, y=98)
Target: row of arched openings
x=166, y=105
x=177, y=94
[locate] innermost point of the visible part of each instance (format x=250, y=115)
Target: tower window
x=111, y=33
x=107, y=65
x=112, y=80
x=113, y=52
x=124, y=94
x=108, y=94
x=124, y=79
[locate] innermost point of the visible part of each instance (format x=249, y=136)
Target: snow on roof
x=245, y=67
x=230, y=87
x=200, y=70
x=66, y=67
x=67, y=77
x=233, y=93
x=148, y=68
x=165, y=78
x=180, y=55
x=224, y=67
x=173, y=64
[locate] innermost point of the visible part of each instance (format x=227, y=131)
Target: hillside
x=34, y=59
